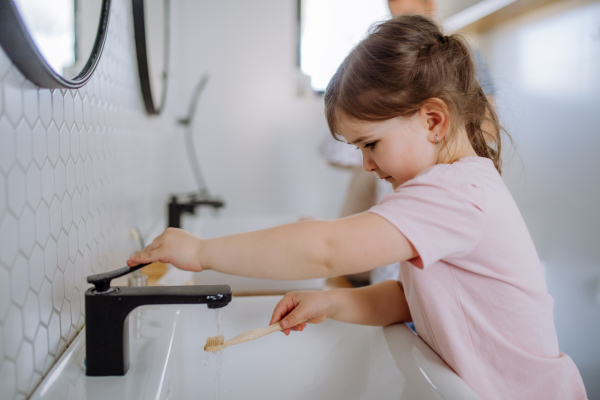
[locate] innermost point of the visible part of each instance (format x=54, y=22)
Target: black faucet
x=107, y=315
x=176, y=208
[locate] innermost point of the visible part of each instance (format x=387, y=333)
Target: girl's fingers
x=285, y=305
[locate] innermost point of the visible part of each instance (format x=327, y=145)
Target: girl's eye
x=370, y=145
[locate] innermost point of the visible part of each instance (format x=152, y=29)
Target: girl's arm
x=302, y=250
x=377, y=305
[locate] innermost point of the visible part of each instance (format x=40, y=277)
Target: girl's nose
x=368, y=163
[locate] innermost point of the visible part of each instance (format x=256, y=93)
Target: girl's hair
x=403, y=62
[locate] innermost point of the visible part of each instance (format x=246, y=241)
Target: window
x=329, y=29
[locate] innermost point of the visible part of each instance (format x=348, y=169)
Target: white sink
x=331, y=360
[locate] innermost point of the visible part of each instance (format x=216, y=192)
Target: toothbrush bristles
x=213, y=343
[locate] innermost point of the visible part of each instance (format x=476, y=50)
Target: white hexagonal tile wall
x=23, y=140
x=30, y=102
x=69, y=280
x=3, y=194
x=65, y=320
x=63, y=250
x=42, y=224
x=7, y=144
x=45, y=99
x=55, y=217
x=40, y=147
x=54, y=332
x=16, y=189
x=60, y=184
x=4, y=291
x=36, y=268
x=53, y=143
x=13, y=336
x=19, y=279
x=48, y=182
x=25, y=366
x=13, y=90
x=71, y=176
x=9, y=245
x=33, y=188
x=69, y=111
x=57, y=107
x=45, y=298
x=8, y=378
x=31, y=315
x=26, y=231
x=40, y=348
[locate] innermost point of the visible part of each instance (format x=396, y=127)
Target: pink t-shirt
x=477, y=293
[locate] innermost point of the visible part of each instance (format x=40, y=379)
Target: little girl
x=470, y=278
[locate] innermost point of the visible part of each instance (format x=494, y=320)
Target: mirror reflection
x=64, y=31
x=156, y=28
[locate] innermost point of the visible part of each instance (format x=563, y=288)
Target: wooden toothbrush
x=215, y=343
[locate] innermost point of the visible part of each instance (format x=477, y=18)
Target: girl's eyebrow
x=360, y=139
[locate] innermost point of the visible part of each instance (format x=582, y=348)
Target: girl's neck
x=459, y=148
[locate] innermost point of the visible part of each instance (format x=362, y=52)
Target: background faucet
x=107, y=315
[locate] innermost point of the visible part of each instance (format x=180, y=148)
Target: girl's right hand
x=316, y=307
x=173, y=246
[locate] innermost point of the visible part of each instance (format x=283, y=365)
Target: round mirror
x=55, y=44
x=151, y=25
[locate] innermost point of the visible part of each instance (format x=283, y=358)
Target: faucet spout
x=107, y=319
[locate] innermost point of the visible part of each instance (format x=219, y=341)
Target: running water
x=219, y=376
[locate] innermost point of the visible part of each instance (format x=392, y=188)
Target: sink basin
x=331, y=360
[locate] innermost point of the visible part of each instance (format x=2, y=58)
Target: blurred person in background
x=366, y=189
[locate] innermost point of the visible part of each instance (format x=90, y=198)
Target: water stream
x=219, y=355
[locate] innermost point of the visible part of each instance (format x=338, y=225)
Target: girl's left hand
x=316, y=307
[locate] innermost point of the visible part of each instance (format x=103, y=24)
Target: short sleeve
x=441, y=212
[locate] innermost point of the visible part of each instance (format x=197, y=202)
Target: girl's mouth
x=388, y=178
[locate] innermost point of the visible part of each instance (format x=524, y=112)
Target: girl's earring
x=436, y=139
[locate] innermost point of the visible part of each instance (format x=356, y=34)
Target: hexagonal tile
x=16, y=189
x=40, y=348
x=48, y=182
x=40, y=148
x=78, y=108
x=69, y=280
x=33, y=188
x=89, y=170
x=76, y=203
x=87, y=112
x=14, y=335
x=36, y=268
x=7, y=144
x=75, y=308
x=19, y=279
x=4, y=293
x=8, y=379
x=83, y=142
x=45, y=302
x=45, y=99
x=85, y=202
x=63, y=250
x=3, y=195
x=58, y=290
x=60, y=180
x=1, y=343
x=55, y=217
x=57, y=107
x=27, y=231
x=50, y=258
x=53, y=143
x=54, y=333
x=74, y=137
x=71, y=176
x=65, y=320
x=69, y=111
x=9, y=245
x=31, y=314
x=65, y=142
x=23, y=139
x=80, y=174
x=67, y=212
x=82, y=233
x=78, y=272
x=73, y=243
x=24, y=366
x=87, y=268
x=62, y=346
x=42, y=224
x=30, y=102
x=13, y=90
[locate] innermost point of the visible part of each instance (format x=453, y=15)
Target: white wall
x=256, y=139
x=546, y=67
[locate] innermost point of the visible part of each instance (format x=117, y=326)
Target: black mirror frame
x=139, y=26
x=18, y=45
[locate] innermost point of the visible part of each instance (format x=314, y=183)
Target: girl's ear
x=436, y=114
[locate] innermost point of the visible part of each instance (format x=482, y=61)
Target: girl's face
x=396, y=149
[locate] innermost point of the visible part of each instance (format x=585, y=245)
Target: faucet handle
x=102, y=281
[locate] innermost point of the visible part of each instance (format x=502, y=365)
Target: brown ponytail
x=402, y=63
